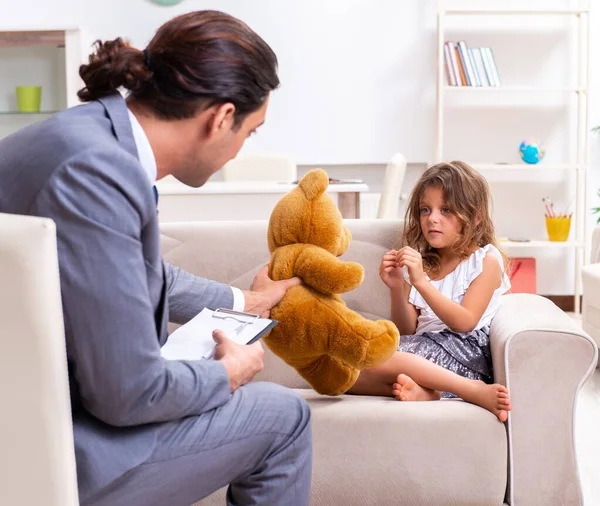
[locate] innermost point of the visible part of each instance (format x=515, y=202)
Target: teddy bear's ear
x=314, y=183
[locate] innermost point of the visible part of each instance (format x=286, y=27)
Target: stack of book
x=473, y=66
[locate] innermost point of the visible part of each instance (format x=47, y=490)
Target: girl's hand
x=390, y=272
x=411, y=259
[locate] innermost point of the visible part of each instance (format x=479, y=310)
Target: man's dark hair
x=194, y=61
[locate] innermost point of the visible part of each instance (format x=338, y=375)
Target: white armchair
x=392, y=188
x=260, y=168
x=37, y=457
x=591, y=290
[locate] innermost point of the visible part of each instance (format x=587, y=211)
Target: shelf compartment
x=32, y=38
x=18, y=113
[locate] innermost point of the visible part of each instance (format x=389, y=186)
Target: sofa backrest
x=233, y=252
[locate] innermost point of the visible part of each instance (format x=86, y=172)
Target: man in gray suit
x=150, y=431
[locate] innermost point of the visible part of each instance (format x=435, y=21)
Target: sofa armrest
x=544, y=358
x=590, y=277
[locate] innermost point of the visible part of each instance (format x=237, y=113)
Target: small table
x=240, y=200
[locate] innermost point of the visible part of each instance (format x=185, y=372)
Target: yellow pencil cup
x=558, y=228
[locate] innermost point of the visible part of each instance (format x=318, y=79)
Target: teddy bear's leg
x=329, y=376
x=363, y=343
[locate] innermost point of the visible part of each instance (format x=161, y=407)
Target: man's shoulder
x=75, y=148
x=55, y=140
x=78, y=129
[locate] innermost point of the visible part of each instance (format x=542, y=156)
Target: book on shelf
x=470, y=66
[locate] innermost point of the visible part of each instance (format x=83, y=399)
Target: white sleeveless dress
x=465, y=354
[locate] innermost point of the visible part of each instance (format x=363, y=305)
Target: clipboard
x=244, y=319
x=194, y=341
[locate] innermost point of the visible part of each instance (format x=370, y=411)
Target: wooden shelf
x=32, y=38
x=511, y=245
x=527, y=166
x=18, y=113
x=511, y=89
x=514, y=12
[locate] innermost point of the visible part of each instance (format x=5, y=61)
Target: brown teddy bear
x=325, y=341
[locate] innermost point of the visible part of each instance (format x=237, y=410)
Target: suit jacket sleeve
x=189, y=294
x=112, y=338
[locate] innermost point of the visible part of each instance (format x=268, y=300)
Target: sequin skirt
x=467, y=355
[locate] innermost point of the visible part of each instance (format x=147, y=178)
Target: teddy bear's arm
x=283, y=261
x=325, y=272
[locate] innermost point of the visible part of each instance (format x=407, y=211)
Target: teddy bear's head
x=307, y=215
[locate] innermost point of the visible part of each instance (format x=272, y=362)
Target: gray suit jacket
x=81, y=169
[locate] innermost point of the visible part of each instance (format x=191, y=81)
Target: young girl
x=445, y=284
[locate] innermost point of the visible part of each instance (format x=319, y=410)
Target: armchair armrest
x=544, y=359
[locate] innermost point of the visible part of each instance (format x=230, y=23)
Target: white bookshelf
x=46, y=57
x=577, y=164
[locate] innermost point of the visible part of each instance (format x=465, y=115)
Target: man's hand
x=265, y=293
x=242, y=362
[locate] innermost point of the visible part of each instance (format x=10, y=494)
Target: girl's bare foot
x=494, y=398
x=406, y=389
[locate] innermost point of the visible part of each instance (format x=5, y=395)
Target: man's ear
x=222, y=119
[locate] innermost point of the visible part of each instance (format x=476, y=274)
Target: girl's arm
x=404, y=314
x=463, y=317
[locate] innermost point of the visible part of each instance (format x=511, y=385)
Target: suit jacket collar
x=116, y=109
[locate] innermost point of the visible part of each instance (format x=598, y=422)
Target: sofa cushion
x=215, y=252
x=372, y=297
x=374, y=450
x=444, y=452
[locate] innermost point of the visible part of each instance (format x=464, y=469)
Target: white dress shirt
x=148, y=162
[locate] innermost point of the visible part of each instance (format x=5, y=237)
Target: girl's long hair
x=467, y=195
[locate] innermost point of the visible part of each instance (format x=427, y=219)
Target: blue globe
x=531, y=151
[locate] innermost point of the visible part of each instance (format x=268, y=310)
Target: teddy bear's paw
x=368, y=343
x=328, y=376
x=382, y=344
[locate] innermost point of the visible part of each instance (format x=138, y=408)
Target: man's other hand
x=242, y=362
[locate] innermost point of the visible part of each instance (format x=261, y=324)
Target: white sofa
x=591, y=290
x=380, y=451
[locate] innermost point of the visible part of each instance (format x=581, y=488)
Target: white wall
x=334, y=72
x=518, y=208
